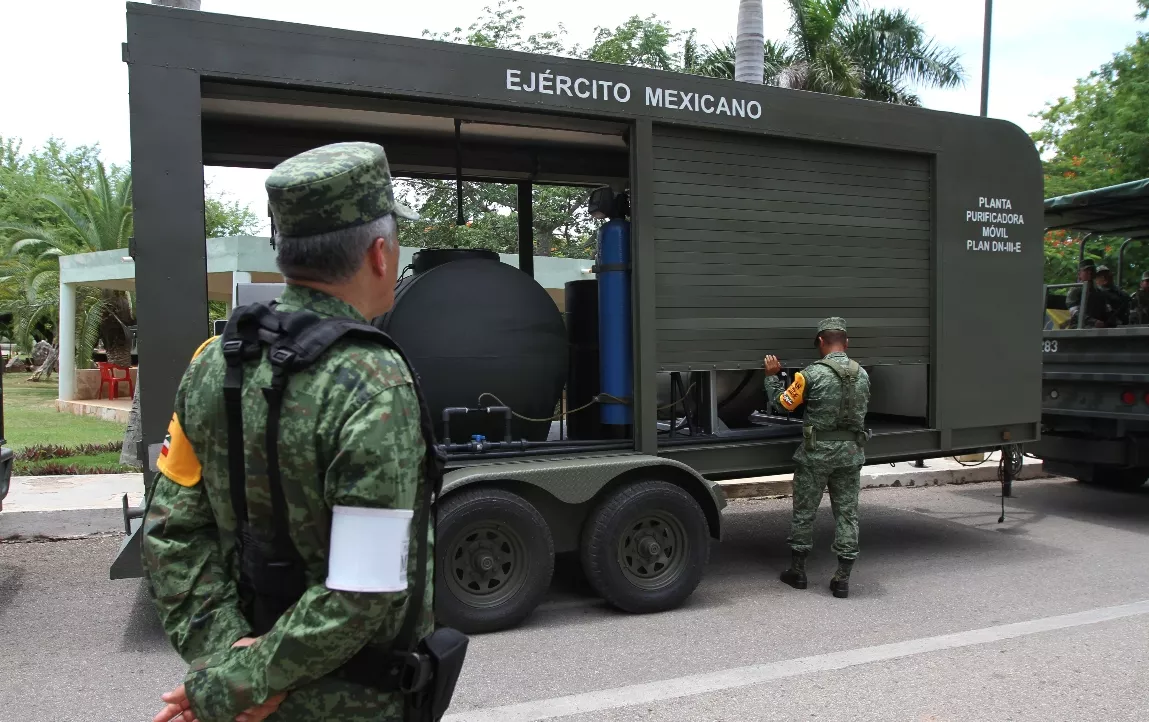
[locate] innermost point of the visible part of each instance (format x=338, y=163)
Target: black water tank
x=477, y=325
x=583, y=374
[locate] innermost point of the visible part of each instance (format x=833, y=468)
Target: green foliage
x=58, y=201
x=224, y=217
x=1098, y=137
x=644, y=43
x=840, y=47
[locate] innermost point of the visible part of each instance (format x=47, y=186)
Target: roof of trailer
x=1118, y=210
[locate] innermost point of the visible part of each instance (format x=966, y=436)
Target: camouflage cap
x=1103, y=269
x=834, y=323
x=1087, y=265
x=332, y=187
x=1145, y=276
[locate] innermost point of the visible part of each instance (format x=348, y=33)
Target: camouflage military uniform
x=836, y=464
x=349, y=436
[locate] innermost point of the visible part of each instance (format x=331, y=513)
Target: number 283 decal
x=1049, y=346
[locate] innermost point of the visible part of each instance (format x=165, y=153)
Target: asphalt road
x=952, y=616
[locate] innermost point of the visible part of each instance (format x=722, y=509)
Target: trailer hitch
x=129, y=514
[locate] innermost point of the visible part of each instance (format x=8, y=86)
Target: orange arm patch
x=177, y=459
x=793, y=397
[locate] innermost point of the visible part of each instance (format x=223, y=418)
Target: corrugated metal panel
x=757, y=239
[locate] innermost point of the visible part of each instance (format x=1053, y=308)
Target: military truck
x=734, y=217
x=1095, y=381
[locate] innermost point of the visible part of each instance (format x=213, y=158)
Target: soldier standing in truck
x=1139, y=303
x=836, y=395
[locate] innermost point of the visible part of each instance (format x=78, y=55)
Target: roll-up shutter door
x=757, y=239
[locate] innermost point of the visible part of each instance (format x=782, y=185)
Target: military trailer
x=1095, y=381
x=735, y=217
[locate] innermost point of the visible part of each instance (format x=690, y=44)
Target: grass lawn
x=31, y=418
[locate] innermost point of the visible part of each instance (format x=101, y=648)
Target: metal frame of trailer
x=755, y=211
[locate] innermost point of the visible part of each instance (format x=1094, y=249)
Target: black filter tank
x=470, y=325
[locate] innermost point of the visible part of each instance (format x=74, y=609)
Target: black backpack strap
x=240, y=343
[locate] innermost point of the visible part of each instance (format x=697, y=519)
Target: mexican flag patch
x=178, y=459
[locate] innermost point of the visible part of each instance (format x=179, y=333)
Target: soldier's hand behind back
x=773, y=365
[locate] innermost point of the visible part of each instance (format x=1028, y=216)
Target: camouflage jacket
x=819, y=390
x=349, y=436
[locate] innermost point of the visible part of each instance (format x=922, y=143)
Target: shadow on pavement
x=11, y=582
x=1124, y=510
x=142, y=629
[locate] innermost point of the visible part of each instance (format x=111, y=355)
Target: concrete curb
x=905, y=476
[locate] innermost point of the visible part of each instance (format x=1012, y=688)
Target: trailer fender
x=578, y=480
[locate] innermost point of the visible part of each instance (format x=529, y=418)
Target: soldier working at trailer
x=836, y=394
x=298, y=470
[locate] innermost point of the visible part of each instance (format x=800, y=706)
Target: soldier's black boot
x=795, y=576
x=840, y=583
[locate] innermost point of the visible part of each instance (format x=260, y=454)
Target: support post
x=171, y=251
x=66, y=336
x=985, y=43
x=526, y=212
x=643, y=288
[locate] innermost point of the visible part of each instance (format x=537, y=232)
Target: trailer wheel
x=495, y=560
x=1123, y=479
x=644, y=547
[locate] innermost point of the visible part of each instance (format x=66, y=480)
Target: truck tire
x=494, y=562
x=645, y=546
x=1122, y=479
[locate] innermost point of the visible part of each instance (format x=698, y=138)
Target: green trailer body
x=755, y=212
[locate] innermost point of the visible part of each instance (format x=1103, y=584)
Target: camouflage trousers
x=810, y=480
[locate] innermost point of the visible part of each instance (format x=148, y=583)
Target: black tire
x=492, y=527
x=1120, y=478
x=628, y=518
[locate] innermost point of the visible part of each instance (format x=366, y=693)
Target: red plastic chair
x=109, y=378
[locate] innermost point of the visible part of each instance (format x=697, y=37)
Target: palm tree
x=841, y=48
x=101, y=220
x=750, y=38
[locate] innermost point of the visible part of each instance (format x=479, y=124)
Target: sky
x=64, y=76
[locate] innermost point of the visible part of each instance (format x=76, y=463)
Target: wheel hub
x=486, y=564
x=652, y=551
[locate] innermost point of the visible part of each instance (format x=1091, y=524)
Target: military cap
x=1087, y=265
x=1103, y=269
x=332, y=187
x=834, y=323
x=1145, y=276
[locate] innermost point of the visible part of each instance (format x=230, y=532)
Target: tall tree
x=750, y=38
x=840, y=47
x=1098, y=137
x=98, y=218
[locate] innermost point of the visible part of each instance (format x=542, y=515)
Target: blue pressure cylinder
x=614, y=333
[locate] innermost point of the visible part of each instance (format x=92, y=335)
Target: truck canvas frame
x=753, y=213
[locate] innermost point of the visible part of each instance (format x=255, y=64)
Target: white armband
x=368, y=549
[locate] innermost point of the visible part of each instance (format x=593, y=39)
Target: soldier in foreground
x=294, y=481
x=836, y=394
